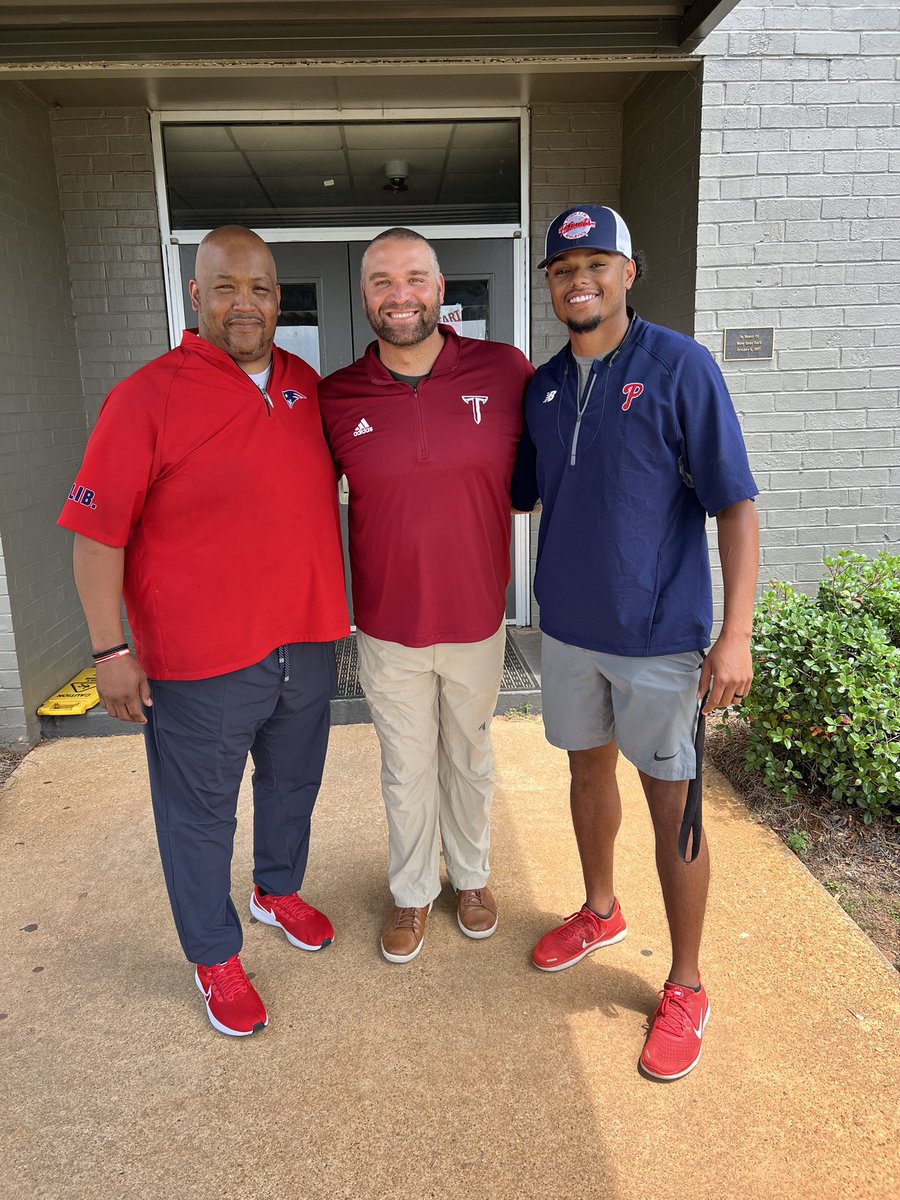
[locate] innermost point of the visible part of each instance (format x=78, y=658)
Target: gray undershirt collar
x=585, y=362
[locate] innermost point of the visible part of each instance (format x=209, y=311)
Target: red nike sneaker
x=232, y=1002
x=578, y=936
x=676, y=1032
x=303, y=925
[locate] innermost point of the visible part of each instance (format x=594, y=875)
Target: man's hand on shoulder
x=727, y=672
x=124, y=689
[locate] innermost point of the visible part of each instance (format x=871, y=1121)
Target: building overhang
x=210, y=53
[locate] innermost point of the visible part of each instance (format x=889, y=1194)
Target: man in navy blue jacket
x=631, y=441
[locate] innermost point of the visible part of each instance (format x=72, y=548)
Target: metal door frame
x=516, y=232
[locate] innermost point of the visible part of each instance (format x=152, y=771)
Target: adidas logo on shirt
x=363, y=427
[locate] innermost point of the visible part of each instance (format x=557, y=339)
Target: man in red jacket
x=207, y=499
x=425, y=427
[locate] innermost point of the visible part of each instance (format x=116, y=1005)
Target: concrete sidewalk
x=465, y=1075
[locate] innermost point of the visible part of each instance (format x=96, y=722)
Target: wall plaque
x=749, y=343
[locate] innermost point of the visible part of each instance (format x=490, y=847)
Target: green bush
x=855, y=584
x=824, y=710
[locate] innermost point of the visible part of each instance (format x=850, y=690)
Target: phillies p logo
x=631, y=391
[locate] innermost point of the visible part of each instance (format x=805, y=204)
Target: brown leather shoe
x=404, y=933
x=476, y=912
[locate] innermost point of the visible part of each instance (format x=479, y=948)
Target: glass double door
x=323, y=320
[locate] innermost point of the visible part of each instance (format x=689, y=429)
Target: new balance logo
x=363, y=427
x=550, y=396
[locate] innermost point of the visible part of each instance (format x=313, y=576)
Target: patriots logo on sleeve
x=291, y=397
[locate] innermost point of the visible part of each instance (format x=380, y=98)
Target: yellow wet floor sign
x=73, y=700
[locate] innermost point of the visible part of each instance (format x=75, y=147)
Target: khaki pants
x=432, y=708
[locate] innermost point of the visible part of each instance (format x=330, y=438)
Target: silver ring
x=738, y=696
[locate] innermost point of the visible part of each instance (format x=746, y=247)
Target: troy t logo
x=631, y=391
x=476, y=402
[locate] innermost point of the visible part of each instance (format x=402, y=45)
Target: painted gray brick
x=835, y=535
x=789, y=518
x=870, y=356
x=880, y=43
x=787, y=116
x=729, y=70
x=800, y=163
x=826, y=44
x=817, y=185
x=789, y=208
x=875, y=17
x=831, y=92
x=843, y=107
x=792, y=68
x=736, y=141
x=757, y=43
x=874, y=476
x=752, y=186
x=40, y=374
x=823, y=139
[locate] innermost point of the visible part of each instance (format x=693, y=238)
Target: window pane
x=467, y=307
x=340, y=173
x=298, y=325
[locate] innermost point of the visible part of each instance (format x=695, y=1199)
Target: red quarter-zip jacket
x=226, y=505
x=429, y=474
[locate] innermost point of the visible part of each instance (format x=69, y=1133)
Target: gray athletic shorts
x=647, y=705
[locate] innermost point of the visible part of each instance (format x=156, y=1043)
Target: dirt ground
x=9, y=760
x=859, y=864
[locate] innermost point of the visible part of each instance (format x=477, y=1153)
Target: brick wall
x=799, y=228
x=13, y=727
x=106, y=191
x=42, y=420
x=660, y=176
x=576, y=157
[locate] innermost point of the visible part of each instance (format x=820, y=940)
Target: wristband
x=111, y=654
x=111, y=650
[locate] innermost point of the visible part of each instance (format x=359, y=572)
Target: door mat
x=517, y=675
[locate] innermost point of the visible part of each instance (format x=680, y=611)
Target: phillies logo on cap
x=576, y=225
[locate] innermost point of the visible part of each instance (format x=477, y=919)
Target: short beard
x=587, y=326
x=236, y=352
x=245, y=353
x=419, y=331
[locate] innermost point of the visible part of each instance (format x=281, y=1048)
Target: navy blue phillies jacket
x=622, y=564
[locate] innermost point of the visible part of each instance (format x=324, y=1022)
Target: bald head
x=236, y=296
x=228, y=243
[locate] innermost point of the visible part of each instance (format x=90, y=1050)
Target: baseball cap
x=587, y=227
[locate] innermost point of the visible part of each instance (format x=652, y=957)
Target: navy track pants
x=198, y=735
